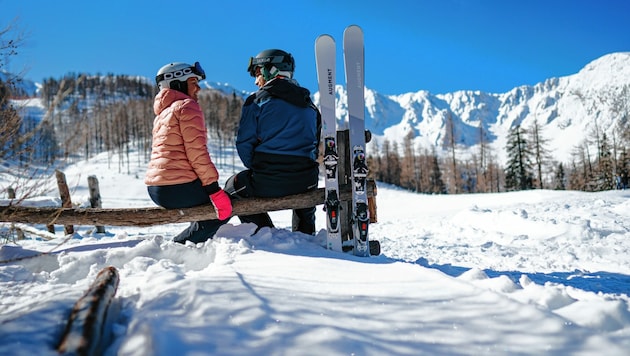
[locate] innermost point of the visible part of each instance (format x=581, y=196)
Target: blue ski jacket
x=279, y=126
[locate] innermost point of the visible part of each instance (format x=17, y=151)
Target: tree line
x=600, y=162
x=87, y=115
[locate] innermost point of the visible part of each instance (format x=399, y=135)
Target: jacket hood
x=286, y=90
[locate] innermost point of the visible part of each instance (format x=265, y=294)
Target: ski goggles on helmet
x=255, y=62
x=183, y=73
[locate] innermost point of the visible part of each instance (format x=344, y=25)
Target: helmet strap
x=180, y=85
x=269, y=73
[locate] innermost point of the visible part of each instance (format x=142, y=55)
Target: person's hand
x=222, y=204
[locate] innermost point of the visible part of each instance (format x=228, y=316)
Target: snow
x=528, y=273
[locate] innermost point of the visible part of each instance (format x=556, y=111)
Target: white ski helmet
x=174, y=75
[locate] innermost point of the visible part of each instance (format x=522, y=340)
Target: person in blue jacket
x=278, y=139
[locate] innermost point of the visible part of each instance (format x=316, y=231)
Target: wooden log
x=85, y=328
x=158, y=216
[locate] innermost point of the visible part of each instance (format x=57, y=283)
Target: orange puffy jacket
x=179, y=152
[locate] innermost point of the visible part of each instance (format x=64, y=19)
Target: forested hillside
x=79, y=116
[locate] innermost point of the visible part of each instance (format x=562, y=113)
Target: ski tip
x=324, y=37
x=353, y=28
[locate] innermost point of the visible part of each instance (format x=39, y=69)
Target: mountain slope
x=568, y=109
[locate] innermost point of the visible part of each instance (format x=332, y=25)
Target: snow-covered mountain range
x=568, y=109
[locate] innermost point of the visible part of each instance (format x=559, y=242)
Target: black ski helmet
x=271, y=61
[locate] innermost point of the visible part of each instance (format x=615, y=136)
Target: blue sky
x=440, y=46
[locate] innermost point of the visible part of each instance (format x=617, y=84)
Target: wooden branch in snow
x=34, y=231
x=85, y=329
x=158, y=216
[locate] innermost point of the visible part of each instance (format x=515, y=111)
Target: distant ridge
x=568, y=109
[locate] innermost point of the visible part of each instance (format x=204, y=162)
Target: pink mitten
x=222, y=204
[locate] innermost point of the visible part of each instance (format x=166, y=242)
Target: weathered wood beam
x=158, y=216
x=86, y=327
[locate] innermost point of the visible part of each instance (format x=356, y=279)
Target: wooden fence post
x=18, y=231
x=64, y=193
x=95, y=199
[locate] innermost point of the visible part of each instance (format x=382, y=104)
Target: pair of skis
x=325, y=52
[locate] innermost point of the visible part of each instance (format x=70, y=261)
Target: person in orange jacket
x=181, y=173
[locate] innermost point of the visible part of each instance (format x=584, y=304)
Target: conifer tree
x=436, y=182
x=518, y=172
x=539, y=150
x=560, y=178
x=623, y=165
x=605, y=179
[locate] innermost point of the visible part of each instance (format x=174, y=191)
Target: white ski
x=353, y=51
x=325, y=61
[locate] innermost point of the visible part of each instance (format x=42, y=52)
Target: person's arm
x=193, y=130
x=247, y=138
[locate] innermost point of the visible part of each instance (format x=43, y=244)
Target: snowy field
x=524, y=273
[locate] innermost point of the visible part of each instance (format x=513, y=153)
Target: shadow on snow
x=601, y=281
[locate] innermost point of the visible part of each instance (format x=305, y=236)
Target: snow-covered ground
x=527, y=273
